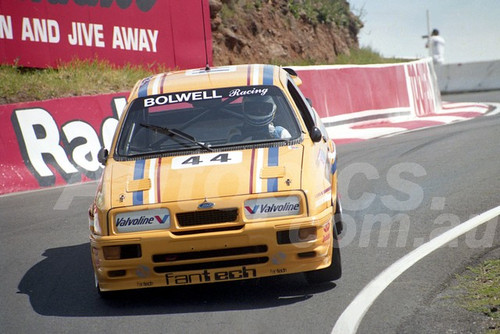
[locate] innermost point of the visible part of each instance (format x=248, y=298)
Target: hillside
x=282, y=31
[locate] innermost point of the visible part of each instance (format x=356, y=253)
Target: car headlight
x=97, y=225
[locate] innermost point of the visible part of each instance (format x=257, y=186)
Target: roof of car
x=215, y=77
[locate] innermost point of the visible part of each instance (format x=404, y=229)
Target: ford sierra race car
x=213, y=175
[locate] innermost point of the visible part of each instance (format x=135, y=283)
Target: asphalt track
x=398, y=193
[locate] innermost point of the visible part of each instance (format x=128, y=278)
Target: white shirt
x=437, y=44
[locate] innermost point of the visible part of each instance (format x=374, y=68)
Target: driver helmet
x=258, y=110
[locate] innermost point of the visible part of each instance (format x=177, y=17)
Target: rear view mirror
x=293, y=75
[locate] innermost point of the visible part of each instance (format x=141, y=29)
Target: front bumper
x=160, y=258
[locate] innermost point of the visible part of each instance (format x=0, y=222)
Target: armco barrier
x=55, y=142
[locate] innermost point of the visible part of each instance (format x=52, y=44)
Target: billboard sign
x=44, y=33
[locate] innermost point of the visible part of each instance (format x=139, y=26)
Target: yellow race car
x=216, y=174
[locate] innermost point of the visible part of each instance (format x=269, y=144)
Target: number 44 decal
x=196, y=159
x=209, y=159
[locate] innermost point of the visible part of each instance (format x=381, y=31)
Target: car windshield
x=206, y=120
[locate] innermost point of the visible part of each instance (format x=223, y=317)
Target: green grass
x=482, y=291
x=366, y=55
x=76, y=78
x=321, y=11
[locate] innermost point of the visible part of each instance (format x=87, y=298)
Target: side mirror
x=309, y=101
x=102, y=156
x=316, y=134
x=293, y=75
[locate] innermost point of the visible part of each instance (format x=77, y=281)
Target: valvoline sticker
x=272, y=207
x=144, y=220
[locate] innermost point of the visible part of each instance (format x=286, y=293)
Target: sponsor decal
x=326, y=237
x=272, y=207
x=181, y=97
x=210, y=159
x=210, y=276
x=145, y=284
x=326, y=230
x=278, y=271
x=244, y=92
x=142, y=220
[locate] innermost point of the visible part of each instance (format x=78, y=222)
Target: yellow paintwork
x=305, y=173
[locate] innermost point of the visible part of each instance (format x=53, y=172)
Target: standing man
x=436, y=43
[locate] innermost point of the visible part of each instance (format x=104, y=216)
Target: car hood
x=208, y=175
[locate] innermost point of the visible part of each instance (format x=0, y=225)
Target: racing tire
x=337, y=217
x=102, y=294
x=333, y=271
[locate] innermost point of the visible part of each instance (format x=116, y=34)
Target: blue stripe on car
x=137, y=196
x=143, y=88
x=268, y=75
x=334, y=167
x=272, y=160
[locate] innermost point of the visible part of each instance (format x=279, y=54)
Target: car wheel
x=102, y=294
x=337, y=217
x=333, y=271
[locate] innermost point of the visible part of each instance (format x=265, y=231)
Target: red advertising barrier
x=42, y=33
x=425, y=96
x=340, y=90
x=55, y=142
x=337, y=90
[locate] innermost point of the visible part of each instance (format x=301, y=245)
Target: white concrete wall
x=468, y=77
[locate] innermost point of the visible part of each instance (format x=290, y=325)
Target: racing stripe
x=267, y=78
x=137, y=196
x=155, y=86
x=158, y=184
x=272, y=160
x=152, y=174
x=249, y=69
x=143, y=88
x=256, y=75
x=252, y=162
x=258, y=167
x=163, y=77
x=334, y=167
x=324, y=196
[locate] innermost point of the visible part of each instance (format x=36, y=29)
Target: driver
x=258, y=113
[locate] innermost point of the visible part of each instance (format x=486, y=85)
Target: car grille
x=212, y=255
x=195, y=218
x=211, y=265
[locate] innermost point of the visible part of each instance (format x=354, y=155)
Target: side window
x=304, y=107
